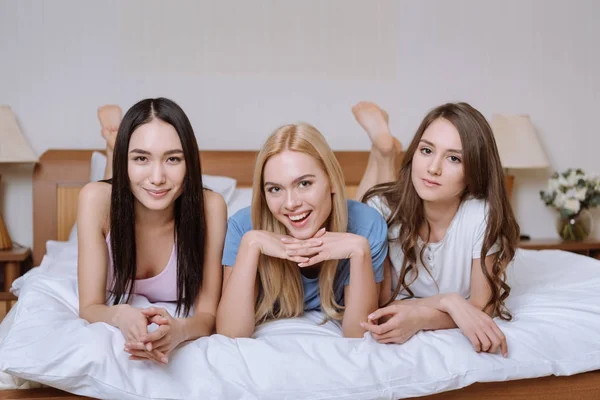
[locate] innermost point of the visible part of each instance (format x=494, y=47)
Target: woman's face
x=298, y=192
x=156, y=165
x=437, y=170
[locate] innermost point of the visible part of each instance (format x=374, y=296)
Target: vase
x=575, y=227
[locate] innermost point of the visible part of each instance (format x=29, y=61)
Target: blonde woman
x=301, y=245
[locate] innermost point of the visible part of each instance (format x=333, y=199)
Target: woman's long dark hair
x=190, y=223
x=484, y=178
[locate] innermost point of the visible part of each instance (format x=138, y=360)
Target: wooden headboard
x=60, y=174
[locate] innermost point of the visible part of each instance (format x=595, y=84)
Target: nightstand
x=13, y=261
x=588, y=247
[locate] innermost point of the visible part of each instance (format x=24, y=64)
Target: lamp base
x=5, y=241
x=509, y=181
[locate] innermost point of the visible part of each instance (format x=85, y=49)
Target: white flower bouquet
x=570, y=193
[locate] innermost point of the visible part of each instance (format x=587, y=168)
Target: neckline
x=437, y=244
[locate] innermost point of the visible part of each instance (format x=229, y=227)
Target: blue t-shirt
x=362, y=220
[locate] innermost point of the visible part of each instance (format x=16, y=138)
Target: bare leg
x=110, y=119
x=384, y=149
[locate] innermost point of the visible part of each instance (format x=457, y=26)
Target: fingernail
x=285, y=239
x=362, y=324
x=371, y=316
x=164, y=360
x=149, y=347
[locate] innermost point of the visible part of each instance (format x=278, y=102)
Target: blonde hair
x=281, y=294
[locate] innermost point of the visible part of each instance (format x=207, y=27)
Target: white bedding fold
x=555, y=301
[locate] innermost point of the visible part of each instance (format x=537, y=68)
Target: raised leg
x=384, y=150
x=110, y=118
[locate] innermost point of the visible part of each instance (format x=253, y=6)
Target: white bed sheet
x=555, y=300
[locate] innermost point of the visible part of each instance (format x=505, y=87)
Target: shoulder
x=96, y=191
x=242, y=220
x=474, y=209
x=472, y=216
x=214, y=202
x=379, y=204
x=95, y=195
x=94, y=203
x=365, y=220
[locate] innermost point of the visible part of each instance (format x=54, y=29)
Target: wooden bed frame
x=60, y=175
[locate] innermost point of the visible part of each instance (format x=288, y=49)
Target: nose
x=435, y=166
x=292, y=200
x=157, y=175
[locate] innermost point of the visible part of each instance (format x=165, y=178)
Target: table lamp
x=518, y=145
x=13, y=149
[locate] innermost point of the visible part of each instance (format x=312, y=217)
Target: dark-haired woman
x=145, y=232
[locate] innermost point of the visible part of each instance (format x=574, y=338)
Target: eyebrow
x=302, y=178
x=166, y=153
x=449, y=150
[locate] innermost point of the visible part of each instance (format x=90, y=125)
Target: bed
x=556, y=329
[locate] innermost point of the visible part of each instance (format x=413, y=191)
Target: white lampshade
x=13, y=145
x=518, y=143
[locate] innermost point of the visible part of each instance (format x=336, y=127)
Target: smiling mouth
x=298, y=218
x=157, y=193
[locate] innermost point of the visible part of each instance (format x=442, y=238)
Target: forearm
x=433, y=311
x=444, y=302
x=435, y=302
x=199, y=325
x=102, y=313
x=361, y=295
x=436, y=311
x=432, y=319
x=235, y=314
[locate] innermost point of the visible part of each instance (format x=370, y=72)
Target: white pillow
x=220, y=184
x=241, y=198
x=98, y=164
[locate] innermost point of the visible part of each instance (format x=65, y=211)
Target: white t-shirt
x=449, y=260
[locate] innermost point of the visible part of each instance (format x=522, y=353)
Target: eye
x=273, y=189
x=174, y=160
x=141, y=158
x=426, y=150
x=305, y=184
x=454, y=159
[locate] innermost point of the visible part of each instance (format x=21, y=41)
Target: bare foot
x=110, y=119
x=374, y=121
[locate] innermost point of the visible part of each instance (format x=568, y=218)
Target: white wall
x=239, y=69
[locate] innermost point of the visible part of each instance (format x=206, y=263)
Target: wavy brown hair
x=484, y=178
x=281, y=294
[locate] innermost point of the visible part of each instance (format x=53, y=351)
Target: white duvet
x=555, y=301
